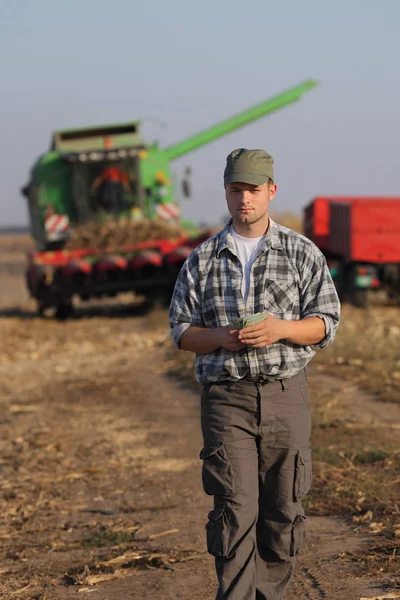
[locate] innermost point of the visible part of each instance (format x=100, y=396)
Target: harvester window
x=105, y=188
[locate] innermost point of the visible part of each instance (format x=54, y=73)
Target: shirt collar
x=272, y=239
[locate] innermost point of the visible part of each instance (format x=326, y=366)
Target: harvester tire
x=40, y=310
x=162, y=300
x=64, y=311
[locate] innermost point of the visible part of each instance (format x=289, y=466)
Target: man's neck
x=252, y=230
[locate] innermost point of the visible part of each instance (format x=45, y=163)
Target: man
x=255, y=403
x=110, y=188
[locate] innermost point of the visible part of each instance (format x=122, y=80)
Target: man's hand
x=304, y=332
x=264, y=333
x=228, y=338
x=202, y=340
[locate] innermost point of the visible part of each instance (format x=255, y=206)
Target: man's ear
x=272, y=190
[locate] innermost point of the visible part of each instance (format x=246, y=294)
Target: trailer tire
x=361, y=298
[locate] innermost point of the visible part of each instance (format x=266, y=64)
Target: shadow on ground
x=116, y=311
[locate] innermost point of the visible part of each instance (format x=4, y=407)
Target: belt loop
x=282, y=385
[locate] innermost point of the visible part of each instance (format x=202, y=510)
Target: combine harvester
x=104, y=216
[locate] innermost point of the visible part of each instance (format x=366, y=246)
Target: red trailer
x=360, y=238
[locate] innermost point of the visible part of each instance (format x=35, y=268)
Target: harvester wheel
x=161, y=301
x=40, y=310
x=64, y=311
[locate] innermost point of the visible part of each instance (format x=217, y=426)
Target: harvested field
x=99, y=436
x=367, y=351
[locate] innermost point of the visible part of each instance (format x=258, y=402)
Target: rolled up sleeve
x=185, y=306
x=320, y=299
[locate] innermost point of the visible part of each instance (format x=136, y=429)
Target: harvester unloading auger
x=103, y=213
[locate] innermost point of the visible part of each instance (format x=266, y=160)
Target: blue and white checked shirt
x=290, y=280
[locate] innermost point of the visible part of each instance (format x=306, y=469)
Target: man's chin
x=248, y=219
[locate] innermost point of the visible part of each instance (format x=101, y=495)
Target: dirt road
x=101, y=491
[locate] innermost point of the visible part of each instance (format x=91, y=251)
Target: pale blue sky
x=191, y=64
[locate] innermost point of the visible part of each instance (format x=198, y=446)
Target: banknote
x=242, y=322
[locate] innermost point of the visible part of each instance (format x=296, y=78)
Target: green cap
x=249, y=166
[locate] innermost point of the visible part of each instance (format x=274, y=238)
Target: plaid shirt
x=290, y=280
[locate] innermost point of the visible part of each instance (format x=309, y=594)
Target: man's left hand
x=264, y=333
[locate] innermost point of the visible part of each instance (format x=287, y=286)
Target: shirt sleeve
x=185, y=306
x=318, y=297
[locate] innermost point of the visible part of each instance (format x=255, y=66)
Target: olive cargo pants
x=257, y=465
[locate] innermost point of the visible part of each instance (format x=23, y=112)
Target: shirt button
x=252, y=354
x=240, y=311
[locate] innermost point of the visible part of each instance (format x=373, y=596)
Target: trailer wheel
x=64, y=311
x=361, y=298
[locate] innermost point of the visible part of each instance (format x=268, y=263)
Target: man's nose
x=245, y=196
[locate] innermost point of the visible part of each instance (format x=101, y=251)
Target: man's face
x=247, y=203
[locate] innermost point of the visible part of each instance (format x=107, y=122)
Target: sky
x=182, y=66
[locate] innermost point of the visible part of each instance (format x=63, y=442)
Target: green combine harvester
x=97, y=175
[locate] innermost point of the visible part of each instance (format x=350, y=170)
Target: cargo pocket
x=298, y=531
x=217, y=474
x=303, y=474
x=216, y=532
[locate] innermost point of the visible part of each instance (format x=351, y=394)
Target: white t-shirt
x=246, y=250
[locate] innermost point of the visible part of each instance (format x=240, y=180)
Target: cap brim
x=250, y=178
